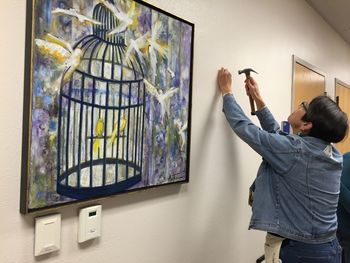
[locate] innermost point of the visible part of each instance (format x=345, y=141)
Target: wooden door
x=342, y=94
x=308, y=82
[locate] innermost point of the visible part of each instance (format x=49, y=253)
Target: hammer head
x=247, y=71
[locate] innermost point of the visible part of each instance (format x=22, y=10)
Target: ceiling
x=336, y=13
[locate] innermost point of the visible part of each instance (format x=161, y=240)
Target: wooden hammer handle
x=252, y=105
x=251, y=101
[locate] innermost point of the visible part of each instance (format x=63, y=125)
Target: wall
x=206, y=220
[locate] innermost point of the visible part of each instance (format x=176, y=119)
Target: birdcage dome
x=107, y=61
x=104, y=63
x=104, y=55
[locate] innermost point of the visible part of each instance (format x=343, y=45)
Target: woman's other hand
x=224, y=81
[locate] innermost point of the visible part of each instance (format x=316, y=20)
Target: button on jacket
x=297, y=185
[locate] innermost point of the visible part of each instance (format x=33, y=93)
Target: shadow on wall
x=213, y=206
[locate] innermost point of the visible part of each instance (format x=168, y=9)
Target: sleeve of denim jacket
x=267, y=121
x=344, y=197
x=278, y=150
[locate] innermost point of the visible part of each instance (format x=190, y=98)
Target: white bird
x=72, y=64
x=111, y=7
x=124, y=19
x=62, y=53
x=162, y=97
x=155, y=42
x=156, y=45
x=181, y=131
x=74, y=13
x=59, y=41
x=138, y=45
x=171, y=73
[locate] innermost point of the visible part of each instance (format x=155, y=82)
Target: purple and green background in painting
x=165, y=138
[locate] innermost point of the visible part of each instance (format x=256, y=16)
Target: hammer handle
x=252, y=105
x=251, y=101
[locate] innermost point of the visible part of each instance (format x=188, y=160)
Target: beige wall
x=206, y=220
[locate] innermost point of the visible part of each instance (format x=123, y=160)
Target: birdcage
x=101, y=116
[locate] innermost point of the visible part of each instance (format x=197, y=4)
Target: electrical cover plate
x=47, y=234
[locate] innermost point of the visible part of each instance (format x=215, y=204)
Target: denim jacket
x=297, y=185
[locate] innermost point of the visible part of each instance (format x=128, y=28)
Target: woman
x=297, y=186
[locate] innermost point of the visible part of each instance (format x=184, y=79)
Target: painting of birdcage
x=107, y=102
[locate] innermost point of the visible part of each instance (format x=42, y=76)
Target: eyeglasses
x=305, y=105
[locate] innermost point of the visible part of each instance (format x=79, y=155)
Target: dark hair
x=329, y=122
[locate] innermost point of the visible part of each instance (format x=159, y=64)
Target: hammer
x=247, y=71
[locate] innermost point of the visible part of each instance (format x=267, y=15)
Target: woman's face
x=295, y=118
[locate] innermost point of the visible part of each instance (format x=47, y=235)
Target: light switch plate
x=47, y=234
x=89, y=223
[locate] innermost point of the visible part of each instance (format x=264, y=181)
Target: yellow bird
x=115, y=129
x=59, y=53
x=58, y=41
x=98, y=134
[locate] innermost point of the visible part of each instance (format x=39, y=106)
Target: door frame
x=298, y=60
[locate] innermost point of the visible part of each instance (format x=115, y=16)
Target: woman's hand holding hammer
x=252, y=89
x=251, y=86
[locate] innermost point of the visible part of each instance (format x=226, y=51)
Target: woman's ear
x=306, y=127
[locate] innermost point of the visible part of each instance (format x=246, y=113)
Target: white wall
x=206, y=220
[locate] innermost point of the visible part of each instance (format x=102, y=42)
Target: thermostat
x=89, y=223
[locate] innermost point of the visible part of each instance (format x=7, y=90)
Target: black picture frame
x=107, y=101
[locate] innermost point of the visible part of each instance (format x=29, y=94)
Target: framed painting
x=107, y=100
